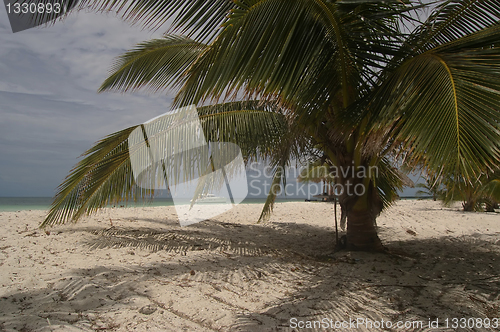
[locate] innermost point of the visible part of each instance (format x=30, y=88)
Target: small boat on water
x=210, y=198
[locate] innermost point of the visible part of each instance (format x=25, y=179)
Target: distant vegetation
x=481, y=194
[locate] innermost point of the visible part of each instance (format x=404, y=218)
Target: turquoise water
x=24, y=203
x=9, y=204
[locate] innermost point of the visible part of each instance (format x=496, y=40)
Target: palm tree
x=490, y=193
x=338, y=80
x=479, y=195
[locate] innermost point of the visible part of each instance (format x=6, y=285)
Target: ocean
x=10, y=204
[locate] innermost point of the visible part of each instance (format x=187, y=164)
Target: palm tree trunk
x=361, y=213
x=362, y=231
x=469, y=205
x=343, y=216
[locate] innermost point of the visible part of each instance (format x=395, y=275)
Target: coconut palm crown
x=339, y=82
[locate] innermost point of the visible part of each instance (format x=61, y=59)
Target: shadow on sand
x=259, y=277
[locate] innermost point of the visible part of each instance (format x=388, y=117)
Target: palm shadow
x=418, y=283
x=82, y=297
x=245, y=240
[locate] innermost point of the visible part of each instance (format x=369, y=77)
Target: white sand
x=142, y=271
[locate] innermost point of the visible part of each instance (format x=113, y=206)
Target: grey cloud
x=50, y=111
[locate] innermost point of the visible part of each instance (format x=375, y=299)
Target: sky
x=50, y=111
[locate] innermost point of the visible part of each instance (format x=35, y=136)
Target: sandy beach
x=136, y=269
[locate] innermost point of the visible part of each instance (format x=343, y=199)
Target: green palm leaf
x=306, y=55
x=452, y=20
x=491, y=189
x=157, y=64
x=200, y=17
x=443, y=104
x=105, y=174
x=291, y=146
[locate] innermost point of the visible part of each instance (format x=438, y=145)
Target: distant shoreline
x=13, y=204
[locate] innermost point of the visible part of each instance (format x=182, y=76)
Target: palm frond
x=263, y=52
x=444, y=104
x=105, y=174
x=279, y=178
x=157, y=64
x=316, y=172
x=200, y=17
x=388, y=182
x=452, y=20
x=491, y=189
x=256, y=127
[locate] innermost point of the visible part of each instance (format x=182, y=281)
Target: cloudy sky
x=49, y=109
